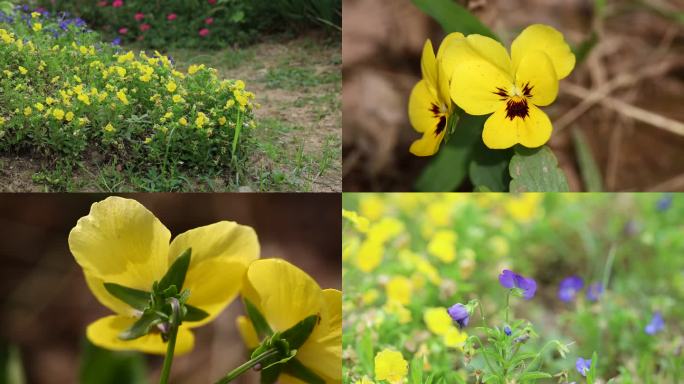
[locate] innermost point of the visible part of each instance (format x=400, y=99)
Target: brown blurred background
x=635, y=73
x=46, y=305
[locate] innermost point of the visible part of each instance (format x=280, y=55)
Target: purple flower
x=656, y=325
x=459, y=314
x=568, y=288
x=510, y=280
x=583, y=366
x=594, y=291
x=664, y=203
x=507, y=330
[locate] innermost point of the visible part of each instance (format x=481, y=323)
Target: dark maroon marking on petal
x=501, y=92
x=435, y=110
x=441, y=126
x=527, y=90
x=517, y=108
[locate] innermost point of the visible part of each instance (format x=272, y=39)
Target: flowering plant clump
x=561, y=309
x=160, y=289
x=66, y=95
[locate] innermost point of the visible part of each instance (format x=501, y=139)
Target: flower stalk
x=251, y=363
x=174, y=323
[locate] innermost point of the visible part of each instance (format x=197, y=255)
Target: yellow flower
x=369, y=255
x=285, y=295
x=127, y=57
x=195, y=68
x=37, y=27
x=372, y=207
x=58, y=114
x=50, y=100
x=391, y=366
x=486, y=80
x=438, y=320
x=23, y=70
x=183, y=121
x=397, y=309
x=35, y=15
x=443, y=245
x=524, y=207
x=69, y=116
x=171, y=86
x=370, y=296
x=122, y=96
x=399, y=289
x=148, y=140
x=455, y=338
x=430, y=106
x=121, y=242
x=39, y=106
x=364, y=380
x=177, y=99
x=201, y=120
x=109, y=128
x=360, y=223
x=28, y=111
x=2, y=121
x=85, y=99
x=222, y=120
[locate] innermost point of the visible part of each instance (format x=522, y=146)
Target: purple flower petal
x=506, y=279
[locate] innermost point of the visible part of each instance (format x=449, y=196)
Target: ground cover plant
x=68, y=97
x=553, y=288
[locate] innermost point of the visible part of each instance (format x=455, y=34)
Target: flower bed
x=65, y=95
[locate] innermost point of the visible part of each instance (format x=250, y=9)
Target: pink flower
x=171, y=17
x=139, y=16
x=102, y=4
x=123, y=31
x=117, y=3
x=209, y=21
x=212, y=2
x=145, y=27
x=204, y=32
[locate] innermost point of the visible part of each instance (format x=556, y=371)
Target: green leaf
x=364, y=349
x=296, y=369
x=449, y=167
x=194, y=313
x=587, y=164
x=489, y=168
x=11, y=367
x=453, y=17
x=101, y=366
x=134, y=297
x=141, y=327
x=270, y=375
x=416, y=371
x=298, y=334
x=536, y=170
x=260, y=325
x=591, y=376
x=175, y=276
x=534, y=376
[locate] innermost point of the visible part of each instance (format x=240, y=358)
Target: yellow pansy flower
x=286, y=295
x=58, y=114
x=109, y=128
x=201, y=120
x=443, y=245
x=437, y=320
x=69, y=116
x=391, y=366
x=37, y=27
x=369, y=255
x=195, y=68
x=222, y=120
x=28, y=111
x=360, y=223
x=39, y=106
x=455, y=338
x=486, y=80
x=430, y=106
x=122, y=97
x=399, y=289
x=171, y=86
x=121, y=242
x=23, y=70
x=183, y=121
x=177, y=99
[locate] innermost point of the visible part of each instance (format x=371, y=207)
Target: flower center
x=439, y=112
x=516, y=101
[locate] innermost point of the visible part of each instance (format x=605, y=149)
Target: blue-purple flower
x=510, y=280
x=656, y=325
x=664, y=203
x=459, y=314
x=569, y=287
x=507, y=330
x=583, y=366
x=594, y=291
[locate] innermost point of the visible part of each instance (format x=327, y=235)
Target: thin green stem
x=608, y=269
x=170, y=349
x=232, y=375
x=508, y=303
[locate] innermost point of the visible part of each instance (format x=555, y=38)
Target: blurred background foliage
x=45, y=304
x=406, y=253
x=617, y=121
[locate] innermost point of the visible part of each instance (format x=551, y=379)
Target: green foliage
x=66, y=96
x=536, y=170
x=101, y=366
x=11, y=367
x=271, y=13
x=591, y=175
x=453, y=17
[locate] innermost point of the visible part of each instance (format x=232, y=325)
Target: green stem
x=508, y=304
x=174, y=323
x=232, y=375
x=608, y=269
x=238, y=128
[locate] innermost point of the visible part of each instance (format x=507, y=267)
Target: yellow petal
x=448, y=42
x=474, y=86
x=428, y=64
x=454, y=52
x=247, y=331
x=501, y=132
x=221, y=253
x=283, y=293
x=429, y=144
x=322, y=352
x=287, y=379
x=537, y=73
x=96, y=286
x=543, y=38
x=120, y=241
x=105, y=333
x=422, y=106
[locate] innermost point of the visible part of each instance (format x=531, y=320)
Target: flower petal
x=283, y=293
x=96, y=286
x=536, y=72
x=501, y=132
x=105, y=333
x=247, y=332
x=122, y=242
x=429, y=144
x=506, y=279
x=322, y=352
x=543, y=38
x=474, y=86
x=421, y=104
x=428, y=63
x=455, y=51
x=221, y=253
